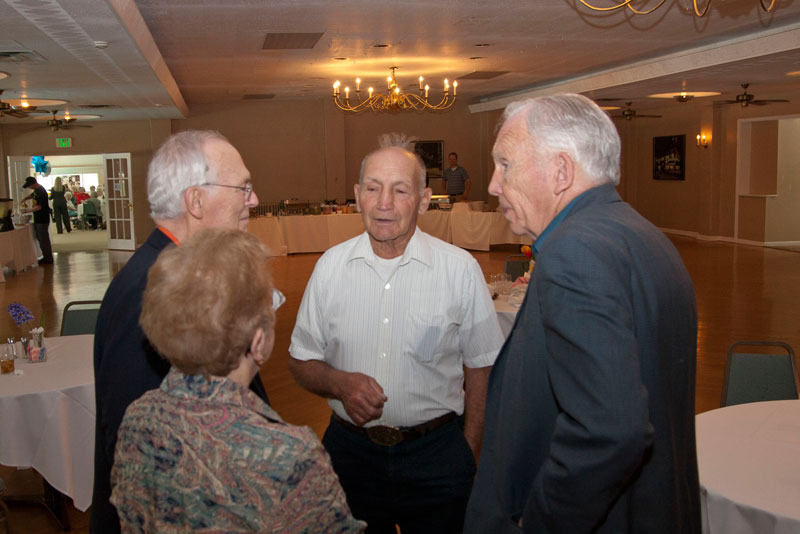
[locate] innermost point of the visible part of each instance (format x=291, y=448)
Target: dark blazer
x=590, y=408
x=125, y=367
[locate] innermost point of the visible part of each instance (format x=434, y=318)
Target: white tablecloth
x=268, y=230
x=506, y=314
x=437, y=224
x=464, y=228
x=17, y=250
x=748, y=456
x=47, y=417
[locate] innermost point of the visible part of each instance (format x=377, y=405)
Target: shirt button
x=387, y=286
x=385, y=320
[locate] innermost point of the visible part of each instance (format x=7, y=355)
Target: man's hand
x=362, y=397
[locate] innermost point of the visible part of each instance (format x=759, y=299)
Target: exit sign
x=63, y=142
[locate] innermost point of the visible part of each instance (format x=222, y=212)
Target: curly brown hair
x=205, y=300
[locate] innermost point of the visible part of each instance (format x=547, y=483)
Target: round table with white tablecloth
x=506, y=314
x=748, y=458
x=47, y=417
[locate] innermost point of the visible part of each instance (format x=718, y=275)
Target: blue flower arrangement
x=20, y=313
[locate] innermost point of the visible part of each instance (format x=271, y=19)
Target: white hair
x=178, y=164
x=404, y=143
x=573, y=124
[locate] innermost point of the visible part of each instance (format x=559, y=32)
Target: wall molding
x=723, y=238
x=782, y=244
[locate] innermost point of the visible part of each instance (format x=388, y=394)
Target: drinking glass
x=503, y=284
x=6, y=360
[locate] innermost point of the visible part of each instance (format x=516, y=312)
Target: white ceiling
x=164, y=56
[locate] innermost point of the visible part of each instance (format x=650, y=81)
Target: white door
x=118, y=212
x=19, y=168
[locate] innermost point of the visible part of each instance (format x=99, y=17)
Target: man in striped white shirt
x=398, y=329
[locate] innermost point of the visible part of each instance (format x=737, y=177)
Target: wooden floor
x=743, y=292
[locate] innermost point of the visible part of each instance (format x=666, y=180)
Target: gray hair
x=573, y=124
x=178, y=164
x=404, y=143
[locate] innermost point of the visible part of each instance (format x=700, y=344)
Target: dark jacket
x=590, y=408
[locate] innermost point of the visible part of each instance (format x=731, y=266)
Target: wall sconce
x=702, y=141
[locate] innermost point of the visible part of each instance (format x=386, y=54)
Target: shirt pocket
x=430, y=335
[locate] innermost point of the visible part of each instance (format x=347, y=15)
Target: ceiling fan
x=628, y=113
x=63, y=124
x=20, y=112
x=748, y=99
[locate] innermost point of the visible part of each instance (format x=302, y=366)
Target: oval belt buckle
x=384, y=435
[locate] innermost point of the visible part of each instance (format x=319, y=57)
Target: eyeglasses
x=278, y=299
x=248, y=189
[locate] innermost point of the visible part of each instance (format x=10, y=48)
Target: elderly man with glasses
x=195, y=180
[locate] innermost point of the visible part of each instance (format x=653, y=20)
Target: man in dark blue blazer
x=590, y=409
x=195, y=180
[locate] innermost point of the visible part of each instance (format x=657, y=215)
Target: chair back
x=753, y=377
x=88, y=209
x=80, y=317
x=516, y=265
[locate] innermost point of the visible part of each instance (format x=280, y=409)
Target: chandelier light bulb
x=395, y=99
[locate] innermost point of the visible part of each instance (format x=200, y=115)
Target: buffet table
x=268, y=230
x=748, y=456
x=47, y=417
x=17, y=250
x=294, y=234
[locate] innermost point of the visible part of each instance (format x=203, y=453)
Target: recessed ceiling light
x=685, y=96
x=341, y=58
x=4, y=75
x=102, y=45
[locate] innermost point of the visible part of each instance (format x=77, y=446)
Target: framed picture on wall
x=669, y=157
x=431, y=154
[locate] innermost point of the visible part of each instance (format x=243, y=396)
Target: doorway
x=107, y=176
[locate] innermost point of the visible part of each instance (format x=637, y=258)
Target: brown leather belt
x=392, y=435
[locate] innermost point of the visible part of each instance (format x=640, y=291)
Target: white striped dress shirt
x=411, y=331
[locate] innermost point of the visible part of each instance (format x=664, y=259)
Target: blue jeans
x=421, y=485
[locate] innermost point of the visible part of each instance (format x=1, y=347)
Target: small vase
x=37, y=352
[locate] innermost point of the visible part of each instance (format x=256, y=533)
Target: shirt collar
x=417, y=249
x=215, y=389
x=537, y=244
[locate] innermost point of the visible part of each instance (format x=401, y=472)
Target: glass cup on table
x=6, y=359
x=503, y=284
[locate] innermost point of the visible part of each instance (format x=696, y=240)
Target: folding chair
x=516, y=265
x=80, y=317
x=90, y=216
x=751, y=377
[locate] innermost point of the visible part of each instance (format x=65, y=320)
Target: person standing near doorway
x=41, y=218
x=60, y=206
x=455, y=178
